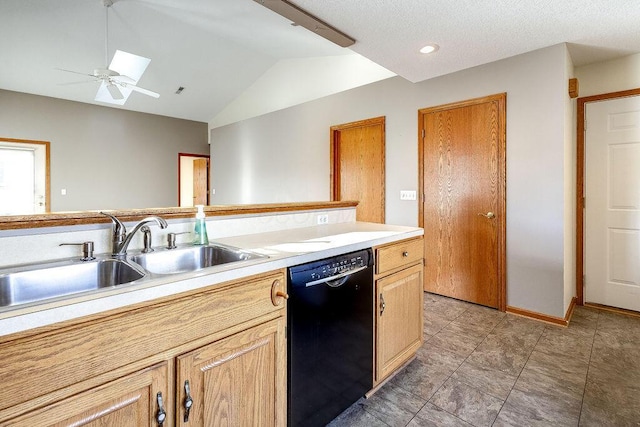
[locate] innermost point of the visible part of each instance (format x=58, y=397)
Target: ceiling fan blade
x=76, y=72
x=143, y=91
x=104, y=94
x=76, y=83
x=114, y=91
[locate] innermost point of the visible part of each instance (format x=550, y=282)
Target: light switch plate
x=407, y=195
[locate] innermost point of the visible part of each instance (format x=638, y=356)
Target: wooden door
x=612, y=208
x=357, y=166
x=399, y=319
x=237, y=381
x=200, y=182
x=129, y=401
x=463, y=211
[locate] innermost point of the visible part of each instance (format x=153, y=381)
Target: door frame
x=501, y=98
x=335, y=157
x=580, y=171
x=199, y=156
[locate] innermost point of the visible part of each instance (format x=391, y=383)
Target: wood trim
x=501, y=98
x=580, y=171
x=570, y=309
x=199, y=156
x=47, y=176
x=612, y=309
x=538, y=316
x=574, y=88
x=94, y=217
x=334, y=156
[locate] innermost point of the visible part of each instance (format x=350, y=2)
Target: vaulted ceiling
x=218, y=49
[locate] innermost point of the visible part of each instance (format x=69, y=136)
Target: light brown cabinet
x=127, y=401
x=233, y=382
x=399, y=296
x=128, y=367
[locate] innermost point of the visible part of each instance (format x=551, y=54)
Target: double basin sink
x=37, y=282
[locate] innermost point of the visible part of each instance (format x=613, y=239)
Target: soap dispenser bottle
x=200, y=230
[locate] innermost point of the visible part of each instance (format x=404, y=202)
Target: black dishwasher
x=329, y=336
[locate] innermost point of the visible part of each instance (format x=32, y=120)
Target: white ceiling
x=217, y=49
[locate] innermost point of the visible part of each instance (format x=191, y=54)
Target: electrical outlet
x=407, y=195
x=323, y=219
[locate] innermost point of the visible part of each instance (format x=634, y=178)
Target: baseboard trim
x=559, y=321
x=612, y=309
x=572, y=306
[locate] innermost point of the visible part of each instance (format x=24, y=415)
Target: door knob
x=489, y=215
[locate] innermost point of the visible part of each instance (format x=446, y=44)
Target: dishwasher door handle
x=336, y=277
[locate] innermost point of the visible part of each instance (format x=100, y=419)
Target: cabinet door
x=237, y=381
x=128, y=401
x=399, y=319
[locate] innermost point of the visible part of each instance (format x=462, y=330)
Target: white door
x=612, y=203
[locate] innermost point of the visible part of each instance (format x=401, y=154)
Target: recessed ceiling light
x=430, y=48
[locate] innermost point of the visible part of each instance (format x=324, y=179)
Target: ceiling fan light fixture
x=430, y=48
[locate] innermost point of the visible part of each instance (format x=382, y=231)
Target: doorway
x=357, y=167
x=24, y=177
x=608, y=214
x=193, y=179
x=462, y=177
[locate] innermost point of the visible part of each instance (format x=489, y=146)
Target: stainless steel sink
x=191, y=258
x=21, y=285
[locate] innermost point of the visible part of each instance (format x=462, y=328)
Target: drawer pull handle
x=188, y=401
x=277, y=295
x=383, y=305
x=405, y=254
x=161, y=415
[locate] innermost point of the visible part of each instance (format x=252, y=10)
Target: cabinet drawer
x=396, y=255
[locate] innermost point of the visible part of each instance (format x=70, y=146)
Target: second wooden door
x=201, y=182
x=463, y=209
x=357, y=166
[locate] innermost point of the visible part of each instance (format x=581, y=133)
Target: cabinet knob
x=278, y=295
x=188, y=401
x=405, y=254
x=161, y=415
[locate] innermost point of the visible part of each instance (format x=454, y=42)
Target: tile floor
x=481, y=367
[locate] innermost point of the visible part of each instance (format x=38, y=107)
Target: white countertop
x=284, y=249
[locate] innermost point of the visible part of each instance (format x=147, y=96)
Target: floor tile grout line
x=461, y=363
x=447, y=379
x=519, y=374
x=586, y=380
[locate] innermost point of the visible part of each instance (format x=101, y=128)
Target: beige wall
x=105, y=158
x=609, y=76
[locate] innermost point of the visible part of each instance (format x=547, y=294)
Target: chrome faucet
x=121, y=239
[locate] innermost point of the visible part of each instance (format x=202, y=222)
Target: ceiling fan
x=119, y=79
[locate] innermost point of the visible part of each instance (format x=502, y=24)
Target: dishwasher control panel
x=330, y=267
